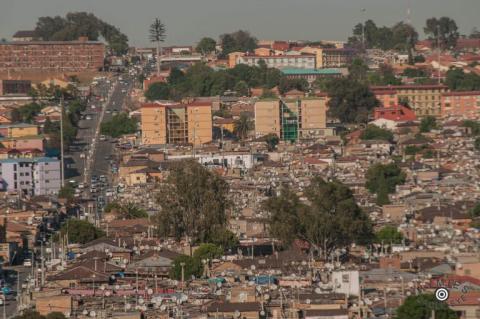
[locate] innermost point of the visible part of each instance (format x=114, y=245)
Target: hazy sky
x=188, y=20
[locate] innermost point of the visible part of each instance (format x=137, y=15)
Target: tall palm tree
x=157, y=35
x=242, y=126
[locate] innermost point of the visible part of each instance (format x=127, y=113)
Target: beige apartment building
x=291, y=119
x=330, y=58
x=425, y=100
x=176, y=123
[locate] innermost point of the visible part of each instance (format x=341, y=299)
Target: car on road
x=103, y=137
x=27, y=262
x=88, y=117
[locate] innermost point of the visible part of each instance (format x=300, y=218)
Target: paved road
x=13, y=274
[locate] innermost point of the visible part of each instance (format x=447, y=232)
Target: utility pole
x=438, y=51
x=61, y=141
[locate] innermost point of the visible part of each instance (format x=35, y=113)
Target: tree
x=382, y=179
x=443, y=31
x=388, y=235
x=157, y=34
x=77, y=24
x=192, y=267
x=422, y=306
x=158, y=91
x=55, y=315
x=475, y=34
x=206, y=46
x=268, y=94
x=272, y=141
x=210, y=251
x=26, y=113
x=242, y=88
x=132, y=211
x=237, y=41
x=80, y=231
x=119, y=125
x=458, y=80
x=243, y=126
x=224, y=238
x=287, y=84
x=477, y=143
x=66, y=192
x=285, y=211
x=331, y=221
x=373, y=132
x=193, y=203
x=30, y=314
x=112, y=206
x=357, y=70
x=427, y=124
x=384, y=76
x=350, y=101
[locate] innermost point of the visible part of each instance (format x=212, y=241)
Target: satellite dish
x=163, y=307
x=262, y=313
x=93, y=314
x=128, y=306
x=237, y=314
x=308, y=301
x=149, y=291
x=141, y=301
x=219, y=284
x=273, y=287
x=107, y=293
x=85, y=312
x=318, y=290
x=117, y=287
x=252, y=267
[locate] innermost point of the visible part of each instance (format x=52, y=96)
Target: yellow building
x=425, y=100
x=330, y=57
x=18, y=130
x=291, y=119
x=176, y=123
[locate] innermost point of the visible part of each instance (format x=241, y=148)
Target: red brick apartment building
x=58, y=56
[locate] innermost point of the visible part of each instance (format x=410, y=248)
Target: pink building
x=464, y=104
x=387, y=98
x=24, y=143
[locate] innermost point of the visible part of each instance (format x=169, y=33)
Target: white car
x=27, y=262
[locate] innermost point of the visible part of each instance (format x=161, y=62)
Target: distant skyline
x=189, y=20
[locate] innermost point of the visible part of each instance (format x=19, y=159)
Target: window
x=47, y=181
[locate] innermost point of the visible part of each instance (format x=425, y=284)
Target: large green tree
x=158, y=91
x=191, y=267
x=422, y=307
x=206, y=46
x=193, y=203
x=119, y=125
x=350, y=101
x=443, y=31
x=77, y=24
x=80, y=231
x=237, y=41
x=382, y=180
x=373, y=132
x=458, y=80
x=331, y=220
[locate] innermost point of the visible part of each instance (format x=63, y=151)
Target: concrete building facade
x=37, y=176
x=60, y=56
x=291, y=119
x=176, y=123
x=299, y=61
x=425, y=100
x=464, y=104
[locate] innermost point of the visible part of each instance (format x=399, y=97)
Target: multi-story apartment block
x=30, y=176
x=291, y=119
x=299, y=61
x=15, y=87
x=463, y=104
x=425, y=100
x=331, y=57
x=176, y=123
x=59, y=56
